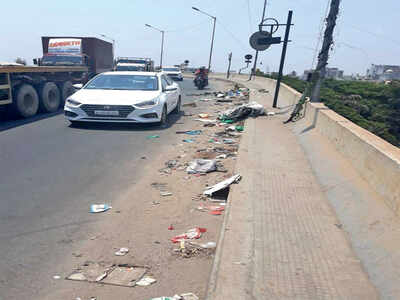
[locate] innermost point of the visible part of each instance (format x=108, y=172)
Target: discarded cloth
x=201, y=166
x=252, y=109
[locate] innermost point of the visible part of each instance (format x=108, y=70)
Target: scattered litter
x=194, y=233
x=188, y=141
x=271, y=113
x=153, y=137
x=77, y=277
x=159, y=186
x=171, y=227
x=263, y=91
x=222, y=185
x=165, y=194
x=122, y=252
x=201, y=166
x=226, y=99
x=192, y=104
x=189, y=296
x=239, y=128
x=206, y=120
x=171, y=163
x=227, y=121
x=220, y=95
x=104, y=273
x=209, y=124
x=101, y=277
x=145, y=281
x=143, y=157
x=207, y=99
x=165, y=170
x=56, y=277
x=252, y=109
x=228, y=141
x=204, y=116
x=190, y=132
x=155, y=202
x=222, y=156
x=208, y=245
x=97, y=208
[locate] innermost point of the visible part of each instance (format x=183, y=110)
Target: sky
x=366, y=32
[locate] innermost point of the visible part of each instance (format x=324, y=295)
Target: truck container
x=94, y=53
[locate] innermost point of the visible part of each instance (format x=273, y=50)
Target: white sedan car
x=173, y=72
x=136, y=97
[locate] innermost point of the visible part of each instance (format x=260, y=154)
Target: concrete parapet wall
x=377, y=161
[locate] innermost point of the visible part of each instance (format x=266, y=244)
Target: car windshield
x=124, y=82
x=171, y=69
x=130, y=68
x=60, y=60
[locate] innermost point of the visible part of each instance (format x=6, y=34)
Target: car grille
x=123, y=110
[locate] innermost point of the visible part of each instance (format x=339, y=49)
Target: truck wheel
x=66, y=90
x=26, y=102
x=49, y=97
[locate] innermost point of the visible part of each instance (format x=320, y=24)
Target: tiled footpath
x=281, y=238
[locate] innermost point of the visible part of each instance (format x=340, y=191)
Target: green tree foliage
x=373, y=106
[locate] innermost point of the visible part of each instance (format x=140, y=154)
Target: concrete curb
x=212, y=281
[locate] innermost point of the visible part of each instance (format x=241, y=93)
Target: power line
x=377, y=35
x=249, y=14
x=188, y=27
x=233, y=36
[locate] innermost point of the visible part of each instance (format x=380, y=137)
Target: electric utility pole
x=323, y=56
x=255, y=59
x=229, y=65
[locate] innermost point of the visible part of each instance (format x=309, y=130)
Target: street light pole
x=162, y=42
x=213, y=34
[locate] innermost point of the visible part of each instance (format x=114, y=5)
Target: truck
x=134, y=64
x=27, y=90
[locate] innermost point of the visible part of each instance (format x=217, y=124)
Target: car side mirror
x=35, y=61
x=78, y=86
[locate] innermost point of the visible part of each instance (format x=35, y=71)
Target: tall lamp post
x=162, y=42
x=113, y=45
x=213, y=33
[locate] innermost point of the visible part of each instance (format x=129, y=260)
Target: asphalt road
x=50, y=174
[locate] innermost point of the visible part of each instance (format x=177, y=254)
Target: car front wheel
x=164, y=117
x=177, y=109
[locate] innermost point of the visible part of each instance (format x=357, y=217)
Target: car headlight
x=72, y=102
x=148, y=103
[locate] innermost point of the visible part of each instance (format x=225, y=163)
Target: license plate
x=106, y=112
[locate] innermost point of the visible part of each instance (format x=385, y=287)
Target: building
x=331, y=73
x=334, y=73
x=383, y=72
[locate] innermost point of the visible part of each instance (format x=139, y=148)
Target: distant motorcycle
x=200, y=81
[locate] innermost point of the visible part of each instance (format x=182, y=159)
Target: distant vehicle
x=130, y=67
x=94, y=53
x=146, y=63
x=173, y=72
x=201, y=78
x=135, y=97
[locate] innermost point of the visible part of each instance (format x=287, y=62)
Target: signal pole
x=253, y=70
x=323, y=56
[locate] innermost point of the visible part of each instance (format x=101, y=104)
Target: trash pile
x=252, y=109
x=186, y=296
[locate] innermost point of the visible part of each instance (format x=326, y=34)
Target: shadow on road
x=9, y=122
x=172, y=119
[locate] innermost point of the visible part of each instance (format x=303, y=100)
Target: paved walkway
x=282, y=239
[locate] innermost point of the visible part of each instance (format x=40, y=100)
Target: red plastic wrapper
x=194, y=233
